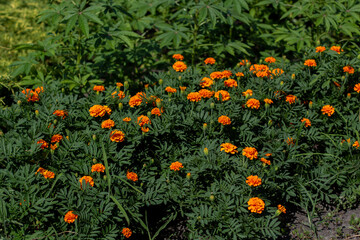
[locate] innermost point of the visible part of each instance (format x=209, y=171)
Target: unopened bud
x=282, y=83
x=121, y=106
x=94, y=160
x=349, y=95
x=55, y=121
x=37, y=112
x=343, y=78
x=67, y=137
x=310, y=104
x=179, y=77
x=204, y=126
x=148, y=113
x=293, y=76
x=19, y=102
x=161, y=81
x=76, y=174
x=62, y=89
x=144, y=166
x=94, y=137
x=206, y=151
x=267, y=105
x=284, y=57
x=358, y=57
x=158, y=102
x=126, y=85
x=105, y=177
x=270, y=122
x=146, y=86
x=212, y=198
x=248, y=64
x=212, y=122
x=152, y=161
x=260, y=61
x=141, y=184
x=212, y=105
x=188, y=175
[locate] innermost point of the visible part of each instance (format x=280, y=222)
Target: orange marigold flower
x=127, y=119
x=99, y=111
x=349, y=69
x=356, y=144
x=117, y=136
x=239, y=74
x=135, y=101
x=99, y=88
x=265, y=161
x=277, y=72
x=157, y=111
x=226, y=74
x=216, y=75
x=119, y=84
x=204, y=93
x=244, y=62
x=290, y=141
x=253, y=103
x=32, y=96
x=121, y=94
x=194, y=96
x=228, y=148
x=145, y=129
x=291, y=99
x=126, y=232
x=108, y=124
x=258, y=67
x=175, y=166
x=53, y=146
x=170, y=90
x=60, y=113
x=224, y=95
x=270, y=60
x=178, y=57
x=336, y=49
x=281, y=208
x=70, y=217
x=253, y=181
x=268, y=154
x=248, y=92
x=56, y=138
x=142, y=120
x=132, y=176
x=327, y=109
x=48, y=174
x=40, y=170
x=88, y=180
x=320, y=49
x=97, y=168
x=206, y=82
x=250, y=153
x=179, y=66
x=310, y=63
x=224, y=120
x=268, y=101
x=230, y=83
x=357, y=87
x=43, y=143
x=256, y=205
x=182, y=88
x=39, y=89
x=307, y=122
x=209, y=61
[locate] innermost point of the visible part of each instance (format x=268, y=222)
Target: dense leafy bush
x=218, y=149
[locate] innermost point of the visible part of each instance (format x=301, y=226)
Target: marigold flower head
x=349, y=69
x=108, y=124
x=132, y=176
x=157, y=111
x=206, y=82
x=253, y=103
x=182, y=89
x=281, y=208
x=43, y=143
x=142, y=120
x=204, y=93
x=40, y=170
x=179, y=66
x=225, y=96
x=256, y=205
x=239, y=74
x=327, y=109
x=127, y=119
x=265, y=161
x=178, y=56
x=248, y=92
x=250, y=153
x=70, y=217
x=175, y=166
x=121, y=94
x=226, y=74
x=209, y=61
x=194, y=96
x=310, y=63
x=320, y=49
x=216, y=75
x=119, y=84
x=170, y=90
x=53, y=146
x=253, y=181
x=117, y=136
x=224, y=120
x=290, y=141
x=56, y=138
x=99, y=88
x=258, y=67
x=244, y=62
x=228, y=148
x=145, y=129
x=336, y=49
x=230, y=83
x=270, y=60
x=356, y=144
x=277, y=72
x=32, y=95
x=99, y=111
x=268, y=101
x=48, y=174
x=97, y=168
x=126, y=232
x=357, y=87
x=307, y=122
x=291, y=99
x=88, y=180
x=60, y=113
x=137, y=99
x=268, y=154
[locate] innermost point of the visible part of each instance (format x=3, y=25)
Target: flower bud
x=161, y=81
x=248, y=64
x=270, y=122
x=55, y=121
x=310, y=104
x=212, y=197
x=158, y=102
x=343, y=78
x=19, y=102
x=206, y=151
x=293, y=76
x=63, y=90
x=358, y=57
x=121, y=106
x=144, y=166
x=349, y=95
x=105, y=177
x=204, y=126
x=76, y=174
x=126, y=85
x=94, y=137
x=146, y=86
x=94, y=160
x=282, y=83
x=267, y=105
x=37, y=112
x=212, y=105
x=152, y=161
x=284, y=57
x=188, y=175
x=149, y=114
x=179, y=77
x=212, y=122
x=67, y=137
x=260, y=61
x=141, y=184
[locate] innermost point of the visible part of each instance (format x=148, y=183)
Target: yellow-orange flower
x=268, y=101
x=40, y=170
x=56, y=138
x=357, y=87
x=170, y=90
x=178, y=56
x=206, y=82
x=239, y=74
x=48, y=174
x=281, y=208
x=175, y=166
x=179, y=66
x=248, y=92
x=204, y=93
x=182, y=89
x=244, y=62
x=97, y=168
x=70, y=217
x=142, y=120
x=209, y=61
x=310, y=63
x=157, y=111
x=53, y=146
x=32, y=95
x=117, y=136
x=60, y=113
x=224, y=95
x=224, y=120
x=270, y=60
x=99, y=111
x=108, y=124
x=145, y=129
x=320, y=49
x=43, y=143
x=88, y=180
x=126, y=232
x=327, y=109
x=253, y=103
x=349, y=69
x=291, y=99
x=307, y=122
x=228, y=148
x=194, y=96
x=336, y=49
x=132, y=176
x=119, y=84
x=121, y=94
x=230, y=83
x=127, y=119
x=137, y=99
x=256, y=205
x=265, y=161
x=277, y=72
x=226, y=74
x=216, y=75
x=356, y=144
x=250, y=153
x=253, y=181
x=99, y=88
